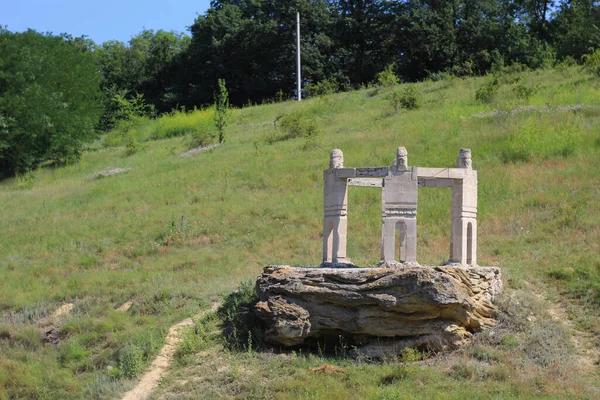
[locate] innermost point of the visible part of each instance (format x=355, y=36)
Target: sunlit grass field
x=173, y=234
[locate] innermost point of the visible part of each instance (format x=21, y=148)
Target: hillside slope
x=172, y=233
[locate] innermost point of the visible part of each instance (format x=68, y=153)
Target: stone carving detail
x=336, y=159
x=399, y=197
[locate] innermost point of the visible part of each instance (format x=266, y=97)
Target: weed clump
x=523, y=91
x=134, y=356
x=131, y=361
x=294, y=125
x=242, y=330
x=487, y=93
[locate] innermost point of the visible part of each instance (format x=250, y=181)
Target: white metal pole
x=298, y=74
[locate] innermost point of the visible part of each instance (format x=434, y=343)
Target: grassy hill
x=173, y=234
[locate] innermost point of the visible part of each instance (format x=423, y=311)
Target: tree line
x=55, y=90
x=251, y=44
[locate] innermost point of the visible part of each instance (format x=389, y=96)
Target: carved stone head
x=464, y=159
x=336, y=159
x=401, y=158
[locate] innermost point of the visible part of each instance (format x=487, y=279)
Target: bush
x=395, y=101
x=523, y=91
x=487, y=93
x=591, y=62
x=122, y=111
x=199, y=139
x=407, y=99
x=49, y=100
x=131, y=147
x=440, y=76
x=294, y=125
x=323, y=88
x=387, y=78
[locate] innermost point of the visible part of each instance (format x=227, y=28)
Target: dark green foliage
x=121, y=109
x=49, y=100
x=242, y=329
x=145, y=67
x=251, y=44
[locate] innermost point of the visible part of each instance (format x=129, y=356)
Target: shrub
x=387, y=78
x=323, y=88
x=488, y=91
x=199, y=139
x=395, y=101
x=131, y=147
x=409, y=98
x=591, y=62
x=523, y=91
x=547, y=344
x=131, y=361
x=295, y=125
x=440, y=76
x=122, y=110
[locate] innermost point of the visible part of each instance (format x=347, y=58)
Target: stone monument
x=399, y=194
x=399, y=303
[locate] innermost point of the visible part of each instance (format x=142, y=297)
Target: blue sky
x=100, y=20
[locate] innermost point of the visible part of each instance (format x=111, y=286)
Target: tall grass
x=176, y=123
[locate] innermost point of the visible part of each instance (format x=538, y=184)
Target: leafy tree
x=576, y=29
x=364, y=33
x=251, y=44
x=49, y=99
x=145, y=66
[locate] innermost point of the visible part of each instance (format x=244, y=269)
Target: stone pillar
x=399, y=196
x=463, y=239
x=335, y=207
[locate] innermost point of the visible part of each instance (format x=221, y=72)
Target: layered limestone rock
x=377, y=310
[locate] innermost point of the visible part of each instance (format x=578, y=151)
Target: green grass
x=174, y=232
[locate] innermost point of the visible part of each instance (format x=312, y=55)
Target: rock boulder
x=377, y=310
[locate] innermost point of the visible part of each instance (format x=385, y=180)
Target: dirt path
x=587, y=353
x=160, y=365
